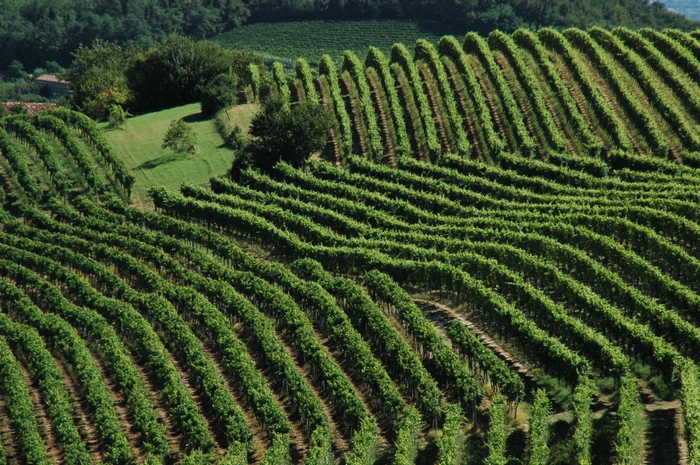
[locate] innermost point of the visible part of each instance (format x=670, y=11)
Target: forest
x=36, y=31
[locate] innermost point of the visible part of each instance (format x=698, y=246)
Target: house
x=52, y=86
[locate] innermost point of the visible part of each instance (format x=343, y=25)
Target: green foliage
x=278, y=453
x=583, y=422
x=304, y=75
x=539, y=429
x=364, y=443
x=219, y=94
x=197, y=457
x=284, y=94
x=236, y=454
x=448, y=442
x=627, y=440
x=117, y=116
x=255, y=80
x=497, y=433
x=327, y=68
x=175, y=72
x=690, y=403
x=98, y=77
x=410, y=427
x=290, y=135
x=180, y=137
x=320, y=448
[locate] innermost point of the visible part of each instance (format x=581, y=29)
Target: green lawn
x=288, y=41
x=138, y=145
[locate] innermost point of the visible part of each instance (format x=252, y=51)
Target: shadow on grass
x=604, y=432
x=195, y=118
x=165, y=159
x=661, y=438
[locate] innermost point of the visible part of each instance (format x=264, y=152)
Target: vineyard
x=499, y=265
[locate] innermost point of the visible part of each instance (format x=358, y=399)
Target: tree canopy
x=175, y=72
x=289, y=134
x=35, y=31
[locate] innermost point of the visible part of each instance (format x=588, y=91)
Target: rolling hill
x=497, y=262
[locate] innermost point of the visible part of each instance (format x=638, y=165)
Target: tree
x=287, y=135
x=98, y=78
x=117, y=116
x=175, y=72
x=219, y=94
x=180, y=137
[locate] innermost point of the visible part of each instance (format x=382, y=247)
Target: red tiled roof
x=50, y=78
x=33, y=108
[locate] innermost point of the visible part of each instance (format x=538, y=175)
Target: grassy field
x=286, y=42
x=138, y=144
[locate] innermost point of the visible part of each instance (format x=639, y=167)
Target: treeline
x=36, y=31
x=173, y=73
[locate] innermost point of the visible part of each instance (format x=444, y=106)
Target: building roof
x=33, y=108
x=50, y=78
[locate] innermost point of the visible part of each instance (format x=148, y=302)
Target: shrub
x=219, y=94
x=117, y=116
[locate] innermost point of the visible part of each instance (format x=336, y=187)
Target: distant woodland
x=37, y=31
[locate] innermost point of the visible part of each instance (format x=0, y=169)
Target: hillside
x=499, y=265
x=593, y=93
x=312, y=39
x=138, y=145
x=38, y=31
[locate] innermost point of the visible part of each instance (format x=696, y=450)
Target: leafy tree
x=219, y=94
x=180, y=137
x=287, y=135
x=175, y=72
x=98, y=77
x=16, y=70
x=117, y=116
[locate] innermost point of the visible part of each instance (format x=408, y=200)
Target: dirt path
x=297, y=90
x=121, y=410
x=577, y=95
x=434, y=106
x=260, y=440
x=44, y=424
x=341, y=442
x=354, y=112
x=81, y=415
x=612, y=103
x=664, y=440
x=7, y=435
x=548, y=95
x=503, y=354
x=203, y=409
x=413, y=123
x=524, y=105
x=456, y=84
x=298, y=438
x=379, y=100
x=333, y=145
x=384, y=430
x=487, y=90
x=174, y=436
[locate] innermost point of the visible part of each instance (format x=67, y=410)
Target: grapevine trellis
x=277, y=319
